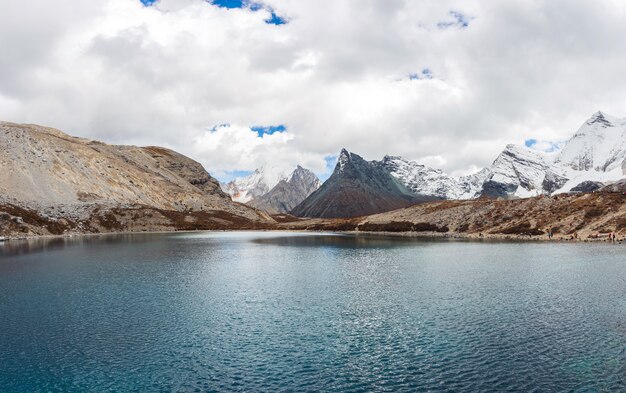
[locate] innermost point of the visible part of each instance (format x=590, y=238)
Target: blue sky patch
x=148, y=3
x=530, y=142
x=239, y=173
x=426, y=73
x=228, y=3
x=545, y=146
x=227, y=176
x=460, y=21
x=274, y=18
x=268, y=130
x=331, y=162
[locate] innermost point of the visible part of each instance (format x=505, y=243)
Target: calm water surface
x=294, y=312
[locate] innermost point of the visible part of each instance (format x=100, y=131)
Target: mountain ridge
x=596, y=152
x=273, y=189
x=289, y=192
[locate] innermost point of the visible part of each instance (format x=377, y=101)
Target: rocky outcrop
x=289, y=192
x=618, y=186
x=588, y=186
x=356, y=188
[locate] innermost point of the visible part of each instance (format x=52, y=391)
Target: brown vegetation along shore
x=16, y=222
x=576, y=217
x=582, y=216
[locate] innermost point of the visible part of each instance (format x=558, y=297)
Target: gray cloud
x=336, y=75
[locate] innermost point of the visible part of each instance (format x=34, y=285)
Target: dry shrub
x=594, y=212
x=463, y=227
x=33, y=218
x=521, y=229
x=402, y=226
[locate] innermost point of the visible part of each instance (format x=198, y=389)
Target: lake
x=267, y=311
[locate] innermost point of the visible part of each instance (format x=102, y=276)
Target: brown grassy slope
x=564, y=215
x=17, y=221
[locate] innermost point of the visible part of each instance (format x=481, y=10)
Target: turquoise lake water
x=297, y=312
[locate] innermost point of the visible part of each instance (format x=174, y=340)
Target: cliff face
x=61, y=177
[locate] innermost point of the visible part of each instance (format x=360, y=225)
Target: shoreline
x=471, y=237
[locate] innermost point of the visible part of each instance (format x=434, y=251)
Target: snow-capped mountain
x=596, y=153
x=273, y=189
x=594, y=156
x=289, y=192
x=424, y=180
x=258, y=183
x=523, y=172
x=598, y=145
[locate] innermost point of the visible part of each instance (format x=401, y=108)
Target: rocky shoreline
x=564, y=218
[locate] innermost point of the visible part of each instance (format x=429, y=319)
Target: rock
x=588, y=186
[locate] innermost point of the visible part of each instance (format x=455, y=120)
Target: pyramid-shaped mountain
x=357, y=187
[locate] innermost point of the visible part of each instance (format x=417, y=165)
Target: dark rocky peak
x=600, y=118
x=349, y=162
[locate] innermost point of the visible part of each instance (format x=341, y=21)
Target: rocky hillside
x=356, y=188
x=53, y=177
x=580, y=216
x=289, y=192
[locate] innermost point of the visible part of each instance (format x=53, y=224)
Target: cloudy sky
x=236, y=86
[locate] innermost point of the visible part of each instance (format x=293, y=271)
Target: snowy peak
x=256, y=184
x=272, y=188
x=517, y=171
x=423, y=180
x=289, y=192
x=598, y=145
x=304, y=176
x=596, y=153
x=345, y=157
x=602, y=119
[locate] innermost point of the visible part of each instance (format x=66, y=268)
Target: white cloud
x=337, y=75
x=230, y=148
